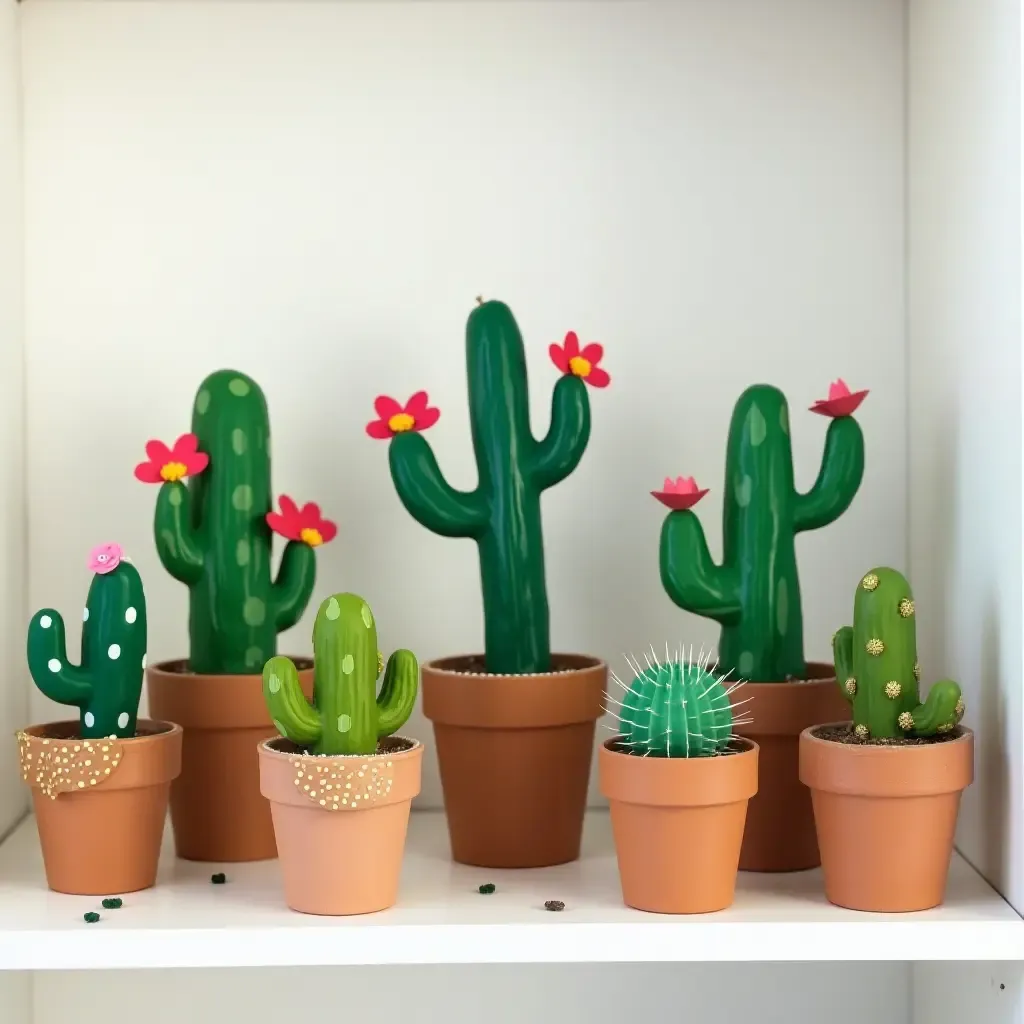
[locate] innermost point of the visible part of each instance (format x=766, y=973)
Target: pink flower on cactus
x=305, y=524
x=105, y=558
x=394, y=418
x=169, y=464
x=571, y=359
x=840, y=402
x=679, y=494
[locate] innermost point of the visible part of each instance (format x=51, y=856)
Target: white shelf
x=441, y=918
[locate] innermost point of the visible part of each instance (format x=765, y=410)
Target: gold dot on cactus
x=893, y=689
x=870, y=581
x=906, y=608
x=860, y=731
x=380, y=663
x=917, y=671
x=850, y=686
x=905, y=721
x=961, y=707
x=874, y=647
x=945, y=727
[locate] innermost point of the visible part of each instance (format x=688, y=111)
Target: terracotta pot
x=217, y=812
x=780, y=832
x=340, y=823
x=514, y=754
x=886, y=816
x=100, y=805
x=678, y=825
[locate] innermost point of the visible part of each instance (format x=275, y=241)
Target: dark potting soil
x=386, y=745
x=845, y=734
x=476, y=665
x=732, y=747
x=180, y=666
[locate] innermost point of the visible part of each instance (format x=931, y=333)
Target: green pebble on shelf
x=486, y=888
x=218, y=879
x=91, y=918
x=114, y=903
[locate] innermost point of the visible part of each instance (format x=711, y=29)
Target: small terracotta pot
x=780, y=832
x=678, y=825
x=100, y=805
x=217, y=812
x=340, y=823
x=886, y=817
x=514, y=754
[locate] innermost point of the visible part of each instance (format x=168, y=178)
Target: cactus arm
x=842, y=656
x=842, y=469
x=47, y=647
x=427, y=496
x=689, y=574
x=176, y=541
x=559, y=453
x=397, y=696
x=939, y=712
x=291, y=591
x=291, y=713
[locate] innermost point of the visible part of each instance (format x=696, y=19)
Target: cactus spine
x=107, y=685
x=877, y=667
x=503, y=513
x=755, y=593
x=347, y=715
x=212, y=535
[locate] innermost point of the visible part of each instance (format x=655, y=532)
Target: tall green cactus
x=503, y=513
x=877, y=667
x=212, y=535
x=107, y=685
x=347, y=715
x=755, y=593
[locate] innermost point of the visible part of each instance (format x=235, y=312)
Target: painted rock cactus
x=347, y=715
x=107, y=685
x=503, y=513
x=755, y=593
x=214, y=534
x=877, y=667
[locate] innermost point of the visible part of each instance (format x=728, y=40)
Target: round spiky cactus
x=679, y=708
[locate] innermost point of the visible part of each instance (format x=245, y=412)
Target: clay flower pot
x=340, y=823
x=100, y=804
x=217, y=811
x=514, y=754
x=780, y=833
x=886, y=815
x=678, y=825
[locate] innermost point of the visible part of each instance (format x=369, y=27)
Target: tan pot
x=340, y=823
x=514, y=754
x=217, y=812
x=886, y=817
x=100, y=805
x=780, y=832
x=678, y=825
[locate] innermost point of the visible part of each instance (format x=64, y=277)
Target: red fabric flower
x=169, y=464
x=305, y=524
x=395, y=418
x=840, y=401
x=570, y=359
x=679, y=494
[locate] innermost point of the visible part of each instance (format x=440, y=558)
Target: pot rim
x=264, y=747
x=164, y=729
x=588, y=663
x=162, y=669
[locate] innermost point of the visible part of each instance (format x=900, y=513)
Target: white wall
x=13, y=689
x=965, y=360
x=316, y=192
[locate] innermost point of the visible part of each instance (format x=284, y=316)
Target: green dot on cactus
x=273, y=682
x=238, y=387
x=174, y=497
x=202, y=402
x=743, y=490
x=243, y=552
x=280, y=728
x=347, y=664
x=745, y=663
x=170, y=545
x=757, y=428
x=254, y=657
x=784, y=418
x=344, y=723
x=782, y=606
x=254, y=611
x=367, y=616
x=333, y=609
x=238, y=441
x=241, y=497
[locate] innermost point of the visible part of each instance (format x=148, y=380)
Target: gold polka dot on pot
x=58, y=766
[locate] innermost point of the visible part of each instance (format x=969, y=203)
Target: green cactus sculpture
x=755, y=593
x=347, y=715
x=214, y=534
x=678, y=708
x=107, y=685
x=503, y=513
x=877, y=667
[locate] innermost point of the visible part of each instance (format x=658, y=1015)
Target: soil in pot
x=886, y=812
x=217, y=811
x=514, y=754
x=340, y=822
x=100, y=804
x=678, y=825
x=780, y=833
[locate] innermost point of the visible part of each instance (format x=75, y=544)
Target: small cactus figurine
x=877, y=667
x=214, y=534
x=347, y=715
x=678, y=708
x=755, y=593
x=107, y=685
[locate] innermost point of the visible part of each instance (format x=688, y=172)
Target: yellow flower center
x=401, y=422
x=173, y=471
x=580, y=366
x=311, y=537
